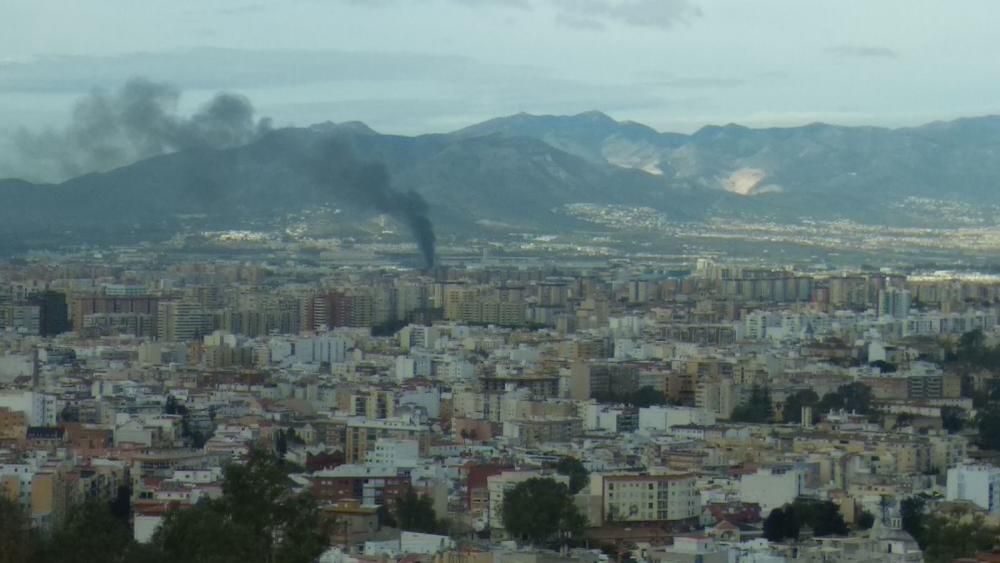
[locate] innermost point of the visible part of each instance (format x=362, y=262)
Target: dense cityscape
x=507, y=409
x=499, y=281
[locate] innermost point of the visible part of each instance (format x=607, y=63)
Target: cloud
x=864, y=51
x=697, y=82
x=394, y=92
x=592, y=15
x=520, y=4
x=581, y=23
x=640, y=13
x=213, y=68
x=242, y=9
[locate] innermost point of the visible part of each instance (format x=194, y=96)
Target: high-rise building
x=181, y=321
x=83, y=305
x=53, y=313
x=894, y=302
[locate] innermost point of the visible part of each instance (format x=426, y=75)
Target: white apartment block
x=979, y=484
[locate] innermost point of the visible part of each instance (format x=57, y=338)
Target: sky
x=421, y=66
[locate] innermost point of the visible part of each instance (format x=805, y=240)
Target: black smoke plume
x=333, y=166
x=137, y=121
x=140, y=120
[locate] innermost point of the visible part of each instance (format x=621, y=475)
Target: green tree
x=822, y=516
x=257, y=519
x=948, y=539
x=865, y=520
x=757, y=409
x=782, y=523
x=853, y=397
x=90, y=533
x=791, y=411
x=281, y=443
x=415, y=513
x=952, y=419
x=203, y=534
x=645, y=397
x=988, y=423
x=786, y=522
x=972, y=346
x=541, y=511
x=578, y=475
x=17, y=541
x=911, y=512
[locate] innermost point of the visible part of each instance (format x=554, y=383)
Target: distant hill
x=516, y=172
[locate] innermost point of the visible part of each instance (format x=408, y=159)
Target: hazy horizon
x=438, y=65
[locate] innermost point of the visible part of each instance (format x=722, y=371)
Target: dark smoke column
x=332, y=165
x=412, y=209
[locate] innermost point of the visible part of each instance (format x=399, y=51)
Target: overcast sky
x=412, y=66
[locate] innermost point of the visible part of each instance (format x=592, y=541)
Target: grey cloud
x=581, y=23
x=698, y=83
x=212, y=68
x=864, y=51
x=521, y=4
x=400, y=93
x=589, y=14
x=640, y=13
x=242, y=9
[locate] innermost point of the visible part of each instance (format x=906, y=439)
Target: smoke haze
x=333, y=166
x=138, y=121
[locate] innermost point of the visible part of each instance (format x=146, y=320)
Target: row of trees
x=258, y=519
x=786, y=522
x=947, y=538
x=757, y=409
x=971, y=354
x=415, y=513
x=853, y=397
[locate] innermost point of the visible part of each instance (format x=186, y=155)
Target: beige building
x=647, y=497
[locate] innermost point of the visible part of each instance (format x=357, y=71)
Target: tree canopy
x=853, y=397
x=578, y=475
x=415, y=513
x=791, y=411
x=541, y=511
x=258, y=519
x=946, y=538
x=988, y=423
x=786, y=522
x=865, y=520
x=952, y=419
x=757, y=409
x=17, y=541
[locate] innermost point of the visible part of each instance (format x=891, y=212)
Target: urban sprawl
x=487, y=412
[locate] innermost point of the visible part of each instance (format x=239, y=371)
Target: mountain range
x=517, y=173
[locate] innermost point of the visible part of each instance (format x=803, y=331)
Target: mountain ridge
x=521, y=170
